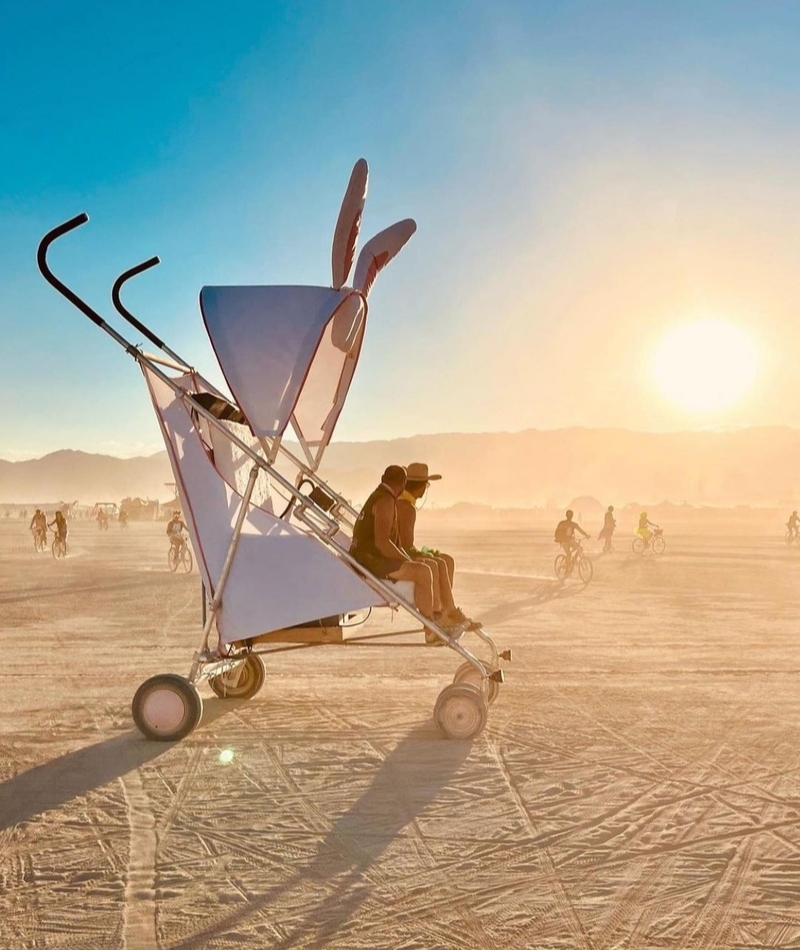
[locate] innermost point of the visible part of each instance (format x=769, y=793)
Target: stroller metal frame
x=168, y=706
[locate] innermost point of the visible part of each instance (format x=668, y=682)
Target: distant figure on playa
x=39, y=523
x=792, y=524
x=123, y=518
x=102, y=519
x=565, y=536
x=60, y=525
x=442, y=565
x=175, y=529
x=607, y=532
x=643, y=530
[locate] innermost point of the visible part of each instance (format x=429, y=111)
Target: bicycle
x=564, y=565
x=656, y=544
x=179, y=554
x=792, y=537
x=59, y=546
x=39, y=539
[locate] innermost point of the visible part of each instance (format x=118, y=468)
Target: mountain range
x=757, y=466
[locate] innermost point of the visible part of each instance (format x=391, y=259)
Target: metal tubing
x=216, y=600
x=127, y=315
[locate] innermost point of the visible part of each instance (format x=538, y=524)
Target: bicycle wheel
x=659, y=544
x=585, y=569
x=186, y=559
x=638, y=546
x=560, y=566
x=172, y=558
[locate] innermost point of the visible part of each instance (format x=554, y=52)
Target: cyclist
x=39, y=524
x=60, y=523
x=607, y=532
x=175, y=529
x=643, y=530
x=565, y=536
x=792, y=525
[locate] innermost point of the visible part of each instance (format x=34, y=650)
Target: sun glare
x=705, y=366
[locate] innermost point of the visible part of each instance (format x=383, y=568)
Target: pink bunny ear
x=348, y=223
x=378, y=251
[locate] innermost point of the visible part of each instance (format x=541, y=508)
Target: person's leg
x=433, y=566
x=451, y=567
x=420, y=575
x=445, y=585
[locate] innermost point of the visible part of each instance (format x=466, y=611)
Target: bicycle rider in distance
x=39, y=524
x=792, y=525
x=175, y=529
x=60, y=523
x=565, y=536
x=644, y=532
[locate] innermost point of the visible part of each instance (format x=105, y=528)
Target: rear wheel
x=585, y=569
x=241, y=682
x=461, y=711
x=166, y=707
x=659, y=545
x=466, y=673
x=172, y=558
x=638, y=546
x=560, y=566
x=789, y=537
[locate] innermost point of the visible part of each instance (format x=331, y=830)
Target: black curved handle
x=50, y=277
x=123, y=310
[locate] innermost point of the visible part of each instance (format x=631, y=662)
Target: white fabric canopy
x=281, y=575
x=267, y=339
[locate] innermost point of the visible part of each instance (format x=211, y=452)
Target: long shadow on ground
x=408, y=780
x=542, y=592
x=74, y=774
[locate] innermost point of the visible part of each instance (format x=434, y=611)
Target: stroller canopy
x=288, y=354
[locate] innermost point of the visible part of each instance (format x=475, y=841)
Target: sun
x=705, y=366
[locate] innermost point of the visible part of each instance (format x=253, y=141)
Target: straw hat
x=418, y=472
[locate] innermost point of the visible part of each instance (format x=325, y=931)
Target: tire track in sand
x=139, y=914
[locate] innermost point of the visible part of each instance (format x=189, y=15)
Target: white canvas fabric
x=280, y=574
x=288, y=354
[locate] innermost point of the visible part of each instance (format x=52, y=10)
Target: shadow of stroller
x=74, y=774
x=544, y=591
x=408, y=780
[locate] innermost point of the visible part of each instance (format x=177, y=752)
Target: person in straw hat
x=442, y=565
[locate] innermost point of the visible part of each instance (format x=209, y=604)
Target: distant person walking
x=607, y=532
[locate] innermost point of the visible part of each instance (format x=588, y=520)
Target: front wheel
x=560, y=566
x=585, y=569
x=638, y=546
x=241, y=682
x=659, y=545
x=461, y=711
x=166, y=707
x=172, y=558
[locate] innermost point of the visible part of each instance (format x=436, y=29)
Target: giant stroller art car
x=272, y=548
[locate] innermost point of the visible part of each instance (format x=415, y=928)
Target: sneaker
x=458, y=617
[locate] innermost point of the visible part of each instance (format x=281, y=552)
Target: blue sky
x=582, y=174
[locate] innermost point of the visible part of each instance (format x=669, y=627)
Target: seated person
x=175, y=529
x=565, y=536
x=442, y=565
x=375, y=547
x=645, y=524
x=59, y=523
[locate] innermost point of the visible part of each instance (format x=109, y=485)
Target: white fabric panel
x=348, y=224
x=280, y=575
x=379, y=250
x=265, y=339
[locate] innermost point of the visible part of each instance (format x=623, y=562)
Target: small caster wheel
x=243, y=681
x=461, y=711
x=166, y=707
x=466, y=673
x=506, y=655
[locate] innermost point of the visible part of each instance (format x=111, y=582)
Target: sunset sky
x=588, y=179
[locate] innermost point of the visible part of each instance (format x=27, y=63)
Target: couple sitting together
x=383, y=543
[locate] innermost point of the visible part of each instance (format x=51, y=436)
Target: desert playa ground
x=638, y=784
